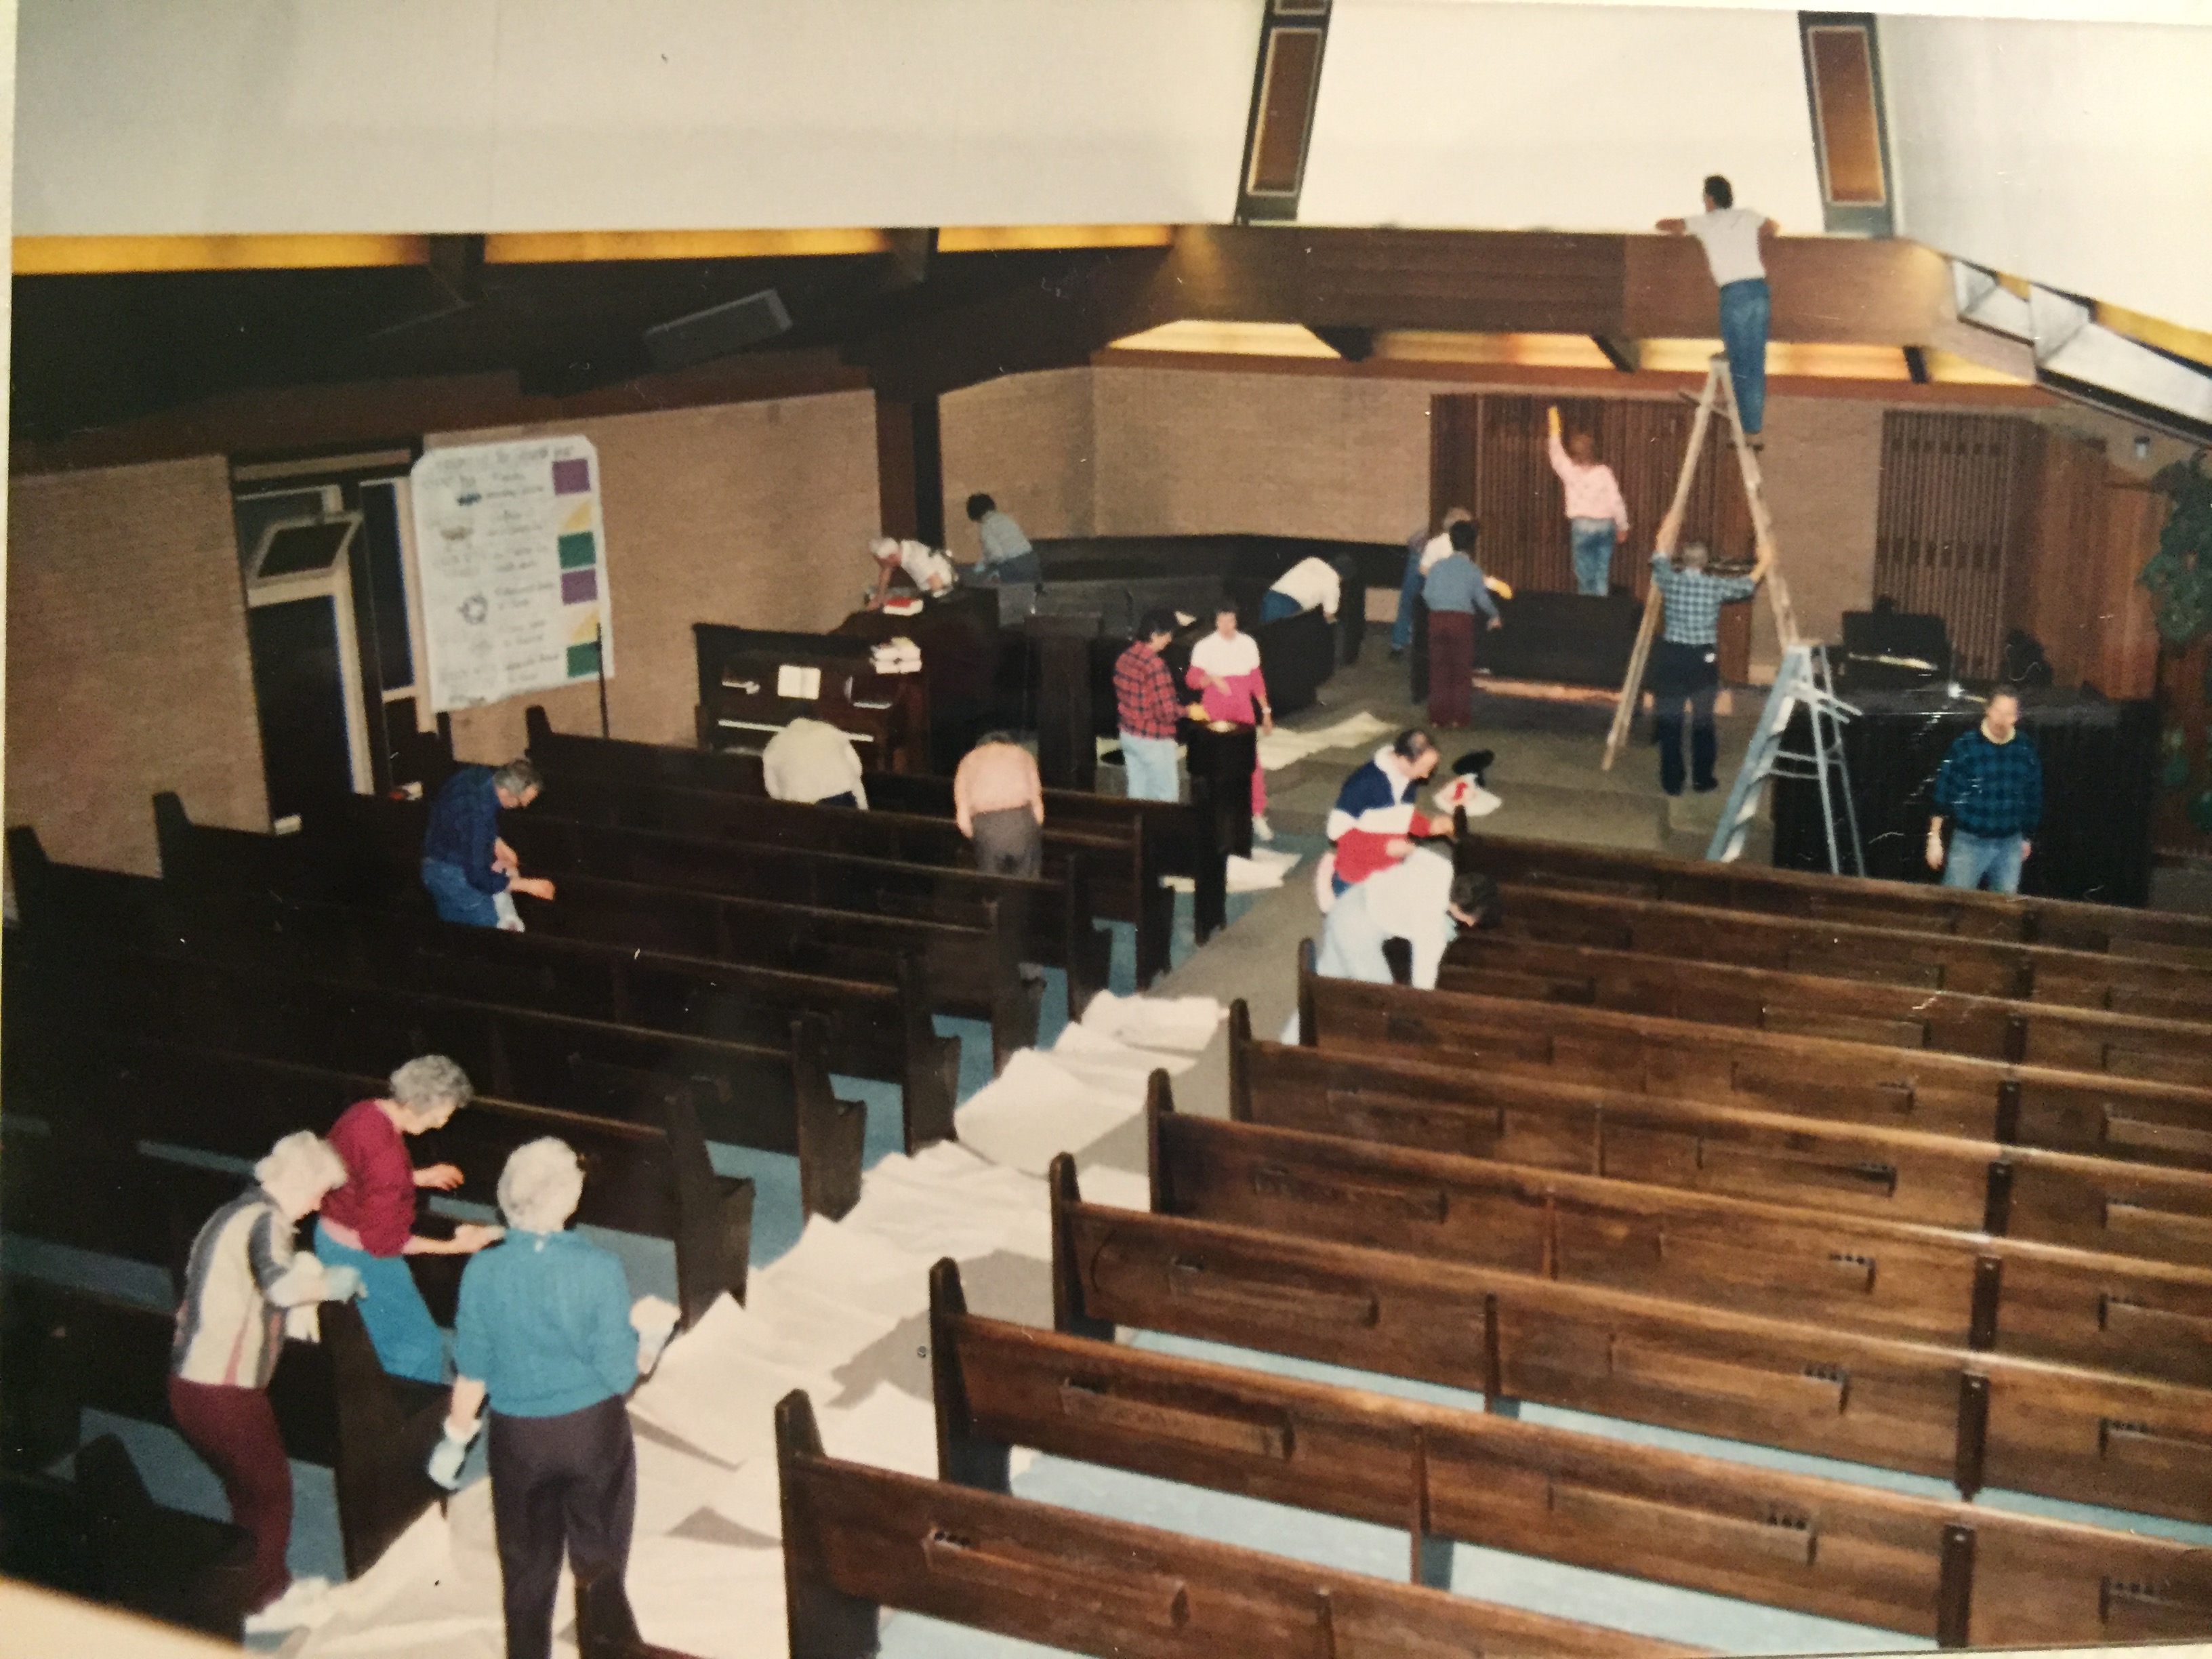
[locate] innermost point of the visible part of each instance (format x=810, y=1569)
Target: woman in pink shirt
x=1224, y=673
x=1596, y=514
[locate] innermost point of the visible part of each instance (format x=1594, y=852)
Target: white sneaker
x=1260, y=830
x=306, y=1602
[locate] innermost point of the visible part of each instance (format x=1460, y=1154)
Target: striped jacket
x=243, y=1275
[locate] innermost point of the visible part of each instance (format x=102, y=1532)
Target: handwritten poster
x=511, y=558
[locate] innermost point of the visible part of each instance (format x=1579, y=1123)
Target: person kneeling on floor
x=1419, y=899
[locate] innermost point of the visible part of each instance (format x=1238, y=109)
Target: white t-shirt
x=932, y=570
x=1730, y=236
x=1312, y=582
x=1225, y=658
x=1437, y=548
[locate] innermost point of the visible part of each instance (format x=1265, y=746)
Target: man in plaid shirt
x=1686, y=658
x=1144, y=698
x=1991, y=786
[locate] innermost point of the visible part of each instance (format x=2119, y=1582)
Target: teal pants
x=407, y=1339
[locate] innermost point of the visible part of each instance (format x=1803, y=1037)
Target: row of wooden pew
x=266, y=981
x=1848, y=1244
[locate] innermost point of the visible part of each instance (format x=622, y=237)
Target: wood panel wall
x=1994, y=522
x=1956, y=494
x=1487, y=453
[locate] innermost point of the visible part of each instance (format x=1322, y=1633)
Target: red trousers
x=235, y=1431
x=1451, y=667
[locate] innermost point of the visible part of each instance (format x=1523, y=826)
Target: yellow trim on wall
x=994, y=239
x=549, y=248
x=55, y=256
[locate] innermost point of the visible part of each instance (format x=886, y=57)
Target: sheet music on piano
x=799, y=681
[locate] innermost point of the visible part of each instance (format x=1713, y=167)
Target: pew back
x=1822, y=1078
x=1837, y=950
x=2097, y=1205
x=1890, y=1016
x=1839, y=1549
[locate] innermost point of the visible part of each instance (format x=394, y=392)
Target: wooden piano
x=754, y=682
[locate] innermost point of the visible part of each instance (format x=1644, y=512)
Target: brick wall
x=1029, y=441
x=755, y=514
x=1172, y=450
x=127, y=666
x=1281, y=454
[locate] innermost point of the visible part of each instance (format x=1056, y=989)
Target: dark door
x=300, y=692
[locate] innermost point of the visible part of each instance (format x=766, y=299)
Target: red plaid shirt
x=1145, y=693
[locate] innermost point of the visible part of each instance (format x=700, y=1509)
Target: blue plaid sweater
x=1993, y=790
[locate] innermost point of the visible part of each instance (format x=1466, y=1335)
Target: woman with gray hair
x=547, y=1336
x=369, y=1223
x=244, y=1277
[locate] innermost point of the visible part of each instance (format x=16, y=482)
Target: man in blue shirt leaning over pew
x=471, y=873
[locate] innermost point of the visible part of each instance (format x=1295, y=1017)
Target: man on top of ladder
x=1735, y=240
x=1685, y=661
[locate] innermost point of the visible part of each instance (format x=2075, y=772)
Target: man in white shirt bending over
x=923, y=565
x=1305, y=585
x=1735, y=240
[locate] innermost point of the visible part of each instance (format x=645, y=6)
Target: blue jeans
x=407, y=1339
x=1151, y=767
x=455, y=899
x=1274, y=606
x=1743, y=337
x=1997, y=858
x=1593, y=544
x=1402, y=631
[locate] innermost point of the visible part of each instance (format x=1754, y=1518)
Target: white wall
x=1561, y=116
x=2078, y=154
x=143, y=117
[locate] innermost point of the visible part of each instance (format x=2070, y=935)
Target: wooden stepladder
x=1718, y=393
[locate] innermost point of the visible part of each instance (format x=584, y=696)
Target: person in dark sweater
x=470, y=872
x=1990, y=787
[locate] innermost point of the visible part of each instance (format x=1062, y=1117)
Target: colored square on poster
x=578, y=587
x=583, y=661
x=579, y=519
x=579, y=551
x=572, y=477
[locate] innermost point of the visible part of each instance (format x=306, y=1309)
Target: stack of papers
x=896, y=655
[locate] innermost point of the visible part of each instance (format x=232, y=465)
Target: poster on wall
x=512, y=560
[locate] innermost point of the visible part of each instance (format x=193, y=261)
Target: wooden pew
x=969, y=963
x=655, y=1179
x=1053, y=918
x=1488, y=963
x=2130, y=1118
x=102, y=1537
x=1928, y=1567
x=856, y=1538
x=1976, y=1418
x=776, y=1099
x=966, y=969
x=2098, y=1204
x=874, y=1029
x=2040, y=974
x=1122, y=869
x=67, y=1349
x=1182, y=839
x=1914, y=907
x=1891, y=1278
